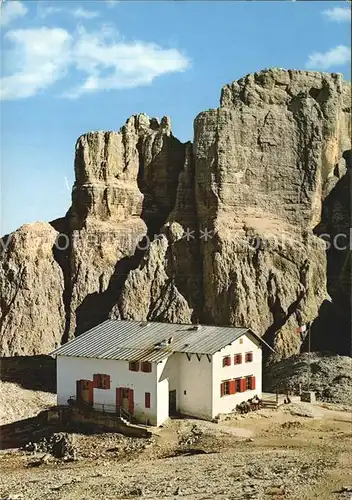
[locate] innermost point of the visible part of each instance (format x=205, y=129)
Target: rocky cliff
x=220, y=231
x=32, y=286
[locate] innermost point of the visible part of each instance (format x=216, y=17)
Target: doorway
x=84, y=391
x=172, y=402
x=125, y=399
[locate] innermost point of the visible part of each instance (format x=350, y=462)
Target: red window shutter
x=106, y=381
x=232, y=388
x=90, y=391
x=242, y=384
x=240, y=359
x=146, y=367
x=118, y=396
x=96, y=380
x=147, y=400
x=78, y=390
x=252, y=382
x=222, y=389
x=130, y=401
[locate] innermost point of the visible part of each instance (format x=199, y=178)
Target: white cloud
x=110, y=64
x=10, y=11
x=82, y=13
x=111, y=3
x=338, y=14
x=39, y=58
x=105, y=62
x=45, y=10
x=337, y=56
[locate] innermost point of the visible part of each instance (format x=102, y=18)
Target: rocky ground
x=296, y=452
x=331, y=376
x=17, y=403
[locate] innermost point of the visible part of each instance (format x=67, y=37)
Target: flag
x=302, y=331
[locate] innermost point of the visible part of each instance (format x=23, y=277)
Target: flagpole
x=308, y=356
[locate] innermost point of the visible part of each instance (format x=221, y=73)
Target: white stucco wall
x=162, y=393
x=227, y=403
x=195, y=388
x=192, y=381
x=70, y=369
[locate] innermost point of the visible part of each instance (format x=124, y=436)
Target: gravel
x=287, y=457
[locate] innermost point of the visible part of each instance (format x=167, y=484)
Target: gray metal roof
x=138, y=340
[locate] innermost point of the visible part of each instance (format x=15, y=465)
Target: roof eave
x=257, y=336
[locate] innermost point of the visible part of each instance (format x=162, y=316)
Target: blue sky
x=72, y=67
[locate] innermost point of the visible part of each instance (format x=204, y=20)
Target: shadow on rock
x=36, y=373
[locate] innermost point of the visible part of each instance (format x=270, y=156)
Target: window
x=146, y=367
x=226, y=361
x=227, y=388
x=241, y=341
x=249, y=357
x=134, y=366
x=185, y=393
x=237, y=359
x=250, y=383
x=101, y=381
x=147, y=400
x=238, y=385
